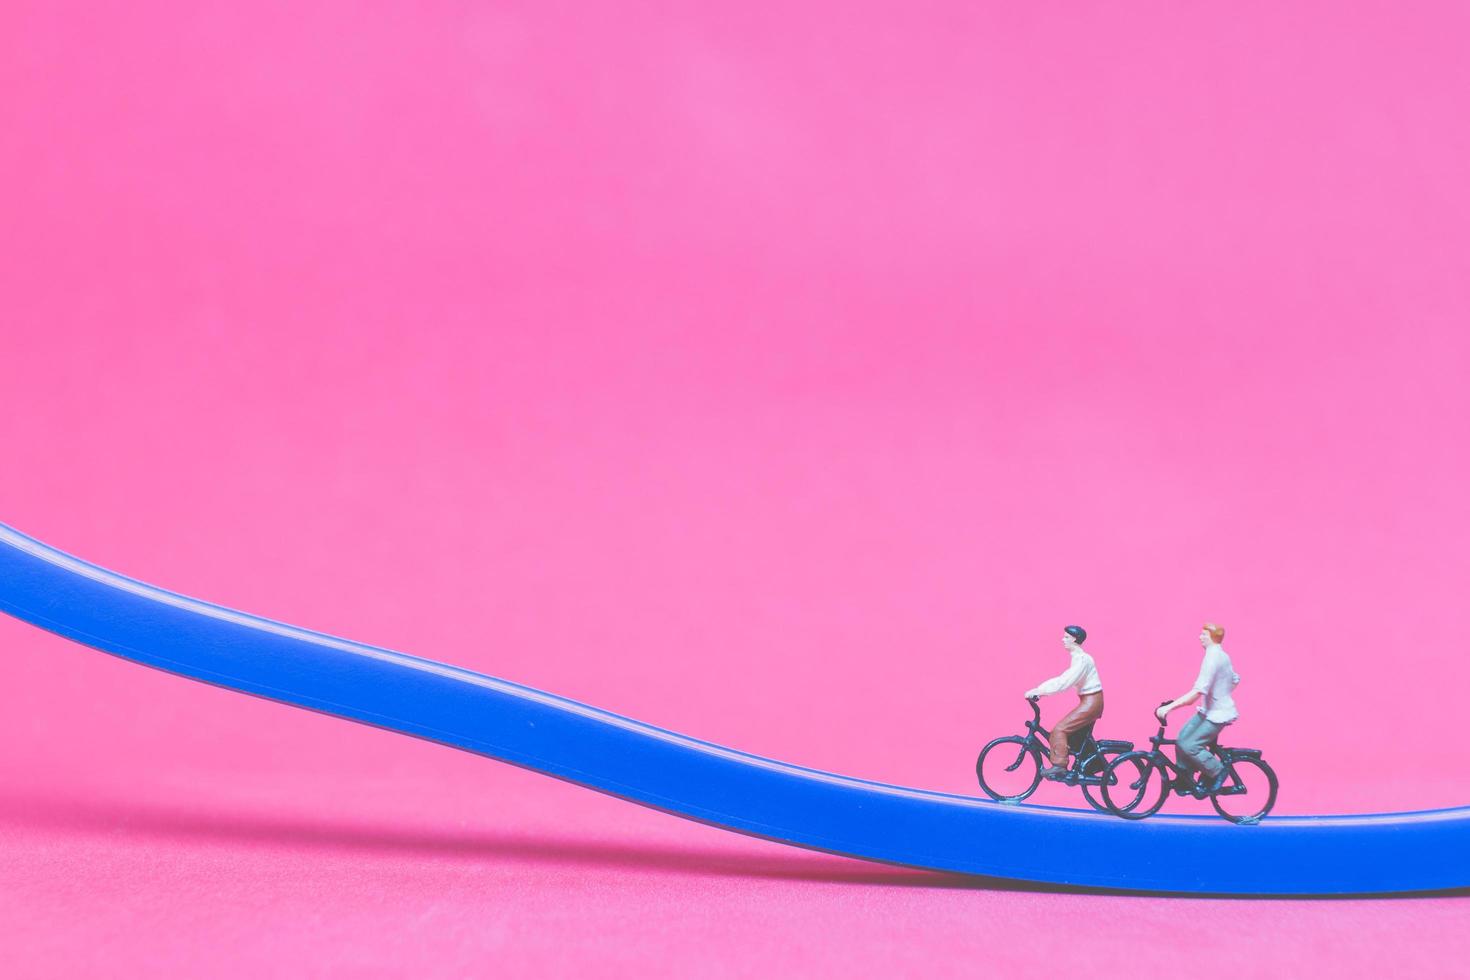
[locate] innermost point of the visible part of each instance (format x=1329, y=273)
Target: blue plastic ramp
x=1399, y=852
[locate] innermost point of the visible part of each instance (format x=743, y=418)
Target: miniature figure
x=1217, y=679
x=1009, y=768
x=1081, y=675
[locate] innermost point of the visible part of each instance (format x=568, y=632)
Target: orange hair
x=1217, y=633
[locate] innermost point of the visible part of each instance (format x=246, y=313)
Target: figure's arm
x=1060, y=682
x=1201, y=683
x=1189, y=697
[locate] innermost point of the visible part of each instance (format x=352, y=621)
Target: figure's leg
x=1088, y=710
x=1182, y=755
x=1209, y=762
x=1194, y=744
x=1184, y=747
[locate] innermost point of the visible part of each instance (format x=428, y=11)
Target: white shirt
x=1082, y=675
x=1217, y=679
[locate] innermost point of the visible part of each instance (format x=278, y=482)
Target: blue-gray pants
x=1193, y=751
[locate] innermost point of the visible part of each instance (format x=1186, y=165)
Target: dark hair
x=1077, y=633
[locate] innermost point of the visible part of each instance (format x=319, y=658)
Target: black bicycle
x=1009, y=768
x=1144, y=779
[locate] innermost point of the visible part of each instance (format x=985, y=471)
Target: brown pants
x=1088, y=710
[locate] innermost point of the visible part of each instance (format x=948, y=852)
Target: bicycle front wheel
x=1135, y=786
x=1249, y=791
x=1009, y=770
x=1129, y=772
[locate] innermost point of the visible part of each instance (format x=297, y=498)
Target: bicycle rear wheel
x=1130, y=772
x=1249, y=791
x=1135, y=786
x=1009, y=770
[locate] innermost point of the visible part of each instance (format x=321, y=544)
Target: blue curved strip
x=1422, y=851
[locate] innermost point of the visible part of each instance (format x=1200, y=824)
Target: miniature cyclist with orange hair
x=1213, y=689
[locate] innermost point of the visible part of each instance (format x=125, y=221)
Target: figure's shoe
x=1209, y=787
x=1054, y=772
x=1185, y=786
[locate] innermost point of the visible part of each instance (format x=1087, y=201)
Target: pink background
x=784, y=375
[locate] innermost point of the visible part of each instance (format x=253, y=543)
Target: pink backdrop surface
x=787, y=376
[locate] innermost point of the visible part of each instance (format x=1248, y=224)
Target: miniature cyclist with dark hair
x=1214, y=690
x=1081, y=675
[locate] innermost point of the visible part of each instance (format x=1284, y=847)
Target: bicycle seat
x=1114, y=745
x=1243, y=753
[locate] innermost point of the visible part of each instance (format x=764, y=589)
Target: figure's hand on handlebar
x=1033, y=698
x=1161, y=713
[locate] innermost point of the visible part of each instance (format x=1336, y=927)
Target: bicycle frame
x=1156, y=755
x=1227, y=756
